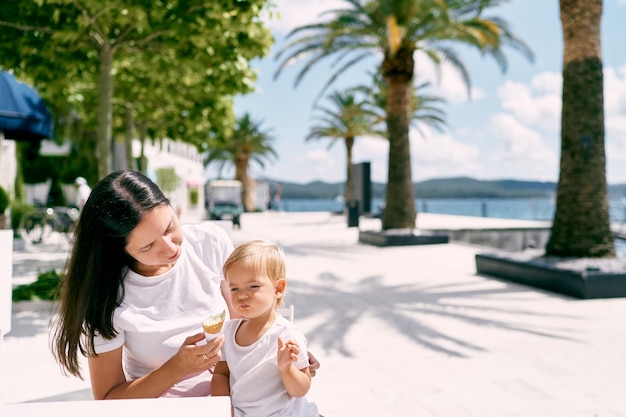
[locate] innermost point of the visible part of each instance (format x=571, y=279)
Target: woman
x=136, y=288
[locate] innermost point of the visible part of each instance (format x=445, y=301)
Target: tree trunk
x=581, y=226
x=247, y=184
x=128, y=138
x=105, y=82
x=400, y=195
x=142, y=163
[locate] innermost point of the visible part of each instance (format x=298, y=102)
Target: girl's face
x=156, y=242
x=253, y=295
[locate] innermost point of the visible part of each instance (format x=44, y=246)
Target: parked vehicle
x=223, y=200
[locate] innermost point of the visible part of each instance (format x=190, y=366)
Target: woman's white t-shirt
x=158, y=313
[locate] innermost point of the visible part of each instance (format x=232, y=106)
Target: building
x=188, y=197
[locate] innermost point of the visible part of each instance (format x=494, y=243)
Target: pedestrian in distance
x=264, y=366
x=136, y=288
x=82, y=192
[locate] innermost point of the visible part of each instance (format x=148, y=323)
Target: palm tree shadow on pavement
x=408, y=308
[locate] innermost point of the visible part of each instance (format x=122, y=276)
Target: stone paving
x=399, y=331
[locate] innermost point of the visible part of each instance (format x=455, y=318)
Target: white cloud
x=615, y=91
x=322, y=160
x=615, y=115
x=524, y=150
x=447, y=83
x=548, y=82
x=440, y=155
x=315, y=164
x=538, y=104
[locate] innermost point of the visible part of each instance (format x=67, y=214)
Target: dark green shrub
x=194, y=195
x=167, y=179
x=46, y=287
x=4, y=200
x=18, y=210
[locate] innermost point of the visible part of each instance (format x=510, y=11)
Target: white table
x=199, y=406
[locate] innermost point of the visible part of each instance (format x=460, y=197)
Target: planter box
x=579, y=278
x=400, y=237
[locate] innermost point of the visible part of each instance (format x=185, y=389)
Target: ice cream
x=213, y=325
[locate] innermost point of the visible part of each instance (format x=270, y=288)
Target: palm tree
x=581, y=226
x=347, y=118
x=247, y=143
x=425, y=108
x=395, y=30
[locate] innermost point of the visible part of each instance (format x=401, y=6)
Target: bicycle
x=37, y=226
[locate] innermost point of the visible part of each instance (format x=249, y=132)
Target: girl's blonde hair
x=263, y=256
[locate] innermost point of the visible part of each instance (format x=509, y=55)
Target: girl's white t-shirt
x=256, y=388
x=158, y=313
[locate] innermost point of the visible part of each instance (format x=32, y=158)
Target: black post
x=353, y=213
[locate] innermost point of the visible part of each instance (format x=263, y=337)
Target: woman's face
x=156, y=241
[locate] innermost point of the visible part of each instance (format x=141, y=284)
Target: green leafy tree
x=395, y=30
x=347, y=117
x=581, y=226
x=75, y=49
x=247, y=143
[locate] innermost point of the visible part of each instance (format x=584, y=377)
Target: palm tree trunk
x=400, y=195
x=581, y=226
x=241, y=174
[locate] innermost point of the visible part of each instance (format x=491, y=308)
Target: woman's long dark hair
x=92, y=285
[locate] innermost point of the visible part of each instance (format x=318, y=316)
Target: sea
x=540, y=208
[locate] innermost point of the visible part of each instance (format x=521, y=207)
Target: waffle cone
x=213, y=324
x=213, y=328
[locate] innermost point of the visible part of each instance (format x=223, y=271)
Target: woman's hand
x=314, y=365
x=192, y=357
x=108, y=380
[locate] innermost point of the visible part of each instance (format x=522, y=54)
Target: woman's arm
x=220, y=385
x=109, y=382
x=296, y=381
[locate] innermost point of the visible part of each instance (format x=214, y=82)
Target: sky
x=508, y=129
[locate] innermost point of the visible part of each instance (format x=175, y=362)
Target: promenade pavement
x=399, y=331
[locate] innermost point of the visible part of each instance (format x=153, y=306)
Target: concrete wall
x=8, y=164
x=506, y=239
x=6, y=275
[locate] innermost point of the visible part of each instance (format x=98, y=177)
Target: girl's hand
x=287, y=354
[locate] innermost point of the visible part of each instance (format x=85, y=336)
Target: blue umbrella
x=23, y=113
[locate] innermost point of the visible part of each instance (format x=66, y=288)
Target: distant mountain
x=464, y=187
x=458, y=187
